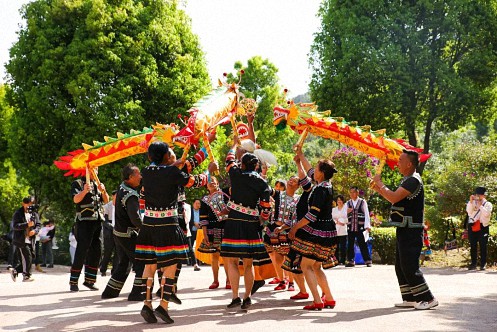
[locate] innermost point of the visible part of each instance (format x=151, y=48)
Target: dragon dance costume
x=126, y=228
x=89, y=217
x=241, y=229
x=161, y=240
x=213, y=211
x=316, y=240
x=284, y=213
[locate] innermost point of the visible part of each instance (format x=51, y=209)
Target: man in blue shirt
x=194, y=227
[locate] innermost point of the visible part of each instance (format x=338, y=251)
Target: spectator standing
x=339, y=214
x=47, y=234
x=358, y=222
x=194, y=227
x=479, y=211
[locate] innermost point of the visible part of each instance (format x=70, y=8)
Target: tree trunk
x=426, y=142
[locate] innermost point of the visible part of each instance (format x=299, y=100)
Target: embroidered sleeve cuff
x=311, y=217
x=304, y=182
x=197, y=181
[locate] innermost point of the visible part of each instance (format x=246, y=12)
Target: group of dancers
x=299, y=228
x=244, y=225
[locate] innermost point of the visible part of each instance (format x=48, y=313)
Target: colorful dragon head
x=210, y=111
x=294, y=115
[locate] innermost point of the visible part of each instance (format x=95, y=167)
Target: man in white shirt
x=358, y=222
x=479, y=211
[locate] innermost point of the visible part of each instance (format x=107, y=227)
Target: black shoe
x=350, y=264
x=74, y=288
x=148, y=315
x=109, y=296
x=257, y=284
x=246, y=303
x=482, y=268
x=43, y=265
x=164, y=315
x=103, y=274
x=235, y=303
x=50, y=266
x=174, y=299
x=136, y=297
x=90, y=286
x=472, y=267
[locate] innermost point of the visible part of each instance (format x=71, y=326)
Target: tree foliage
x=12, y=187
x=405, y=65
x=84, y=69
x=464, y=164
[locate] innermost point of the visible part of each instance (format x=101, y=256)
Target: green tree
x=406, y=65
x=84, y=69
x=12, y=187
x=464, y=164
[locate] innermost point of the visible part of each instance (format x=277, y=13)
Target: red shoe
x=300, y=296
x=281, y=286
x=291, y=287
x=275, y=281
x=228, y=285
x=214, y=285
x=329, y=304
x=314, y=306
x=323, y=298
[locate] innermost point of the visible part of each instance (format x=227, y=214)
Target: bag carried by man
x=475, y=221
x=450, y=244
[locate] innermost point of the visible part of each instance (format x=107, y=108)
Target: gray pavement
x=365, y=298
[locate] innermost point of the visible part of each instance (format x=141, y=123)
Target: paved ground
x=365, y=298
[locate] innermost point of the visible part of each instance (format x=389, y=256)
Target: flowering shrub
x=357, y=169
x=465, y=166
x=354, y=169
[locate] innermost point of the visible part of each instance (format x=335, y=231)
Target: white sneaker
x=27, y=279
x=424, y=305
x=406, y=304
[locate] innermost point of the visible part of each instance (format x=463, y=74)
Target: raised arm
x=303, y=160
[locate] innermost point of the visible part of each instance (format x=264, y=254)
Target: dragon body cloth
x=304, y=118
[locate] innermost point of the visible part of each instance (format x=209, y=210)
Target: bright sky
x=229, y=31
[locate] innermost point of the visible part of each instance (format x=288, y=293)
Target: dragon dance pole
x=209, y=151
x=185, y=152
x=97, y=180
x=302, y=138
x=378, y=169
x=87, y=174
x=233, y=125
